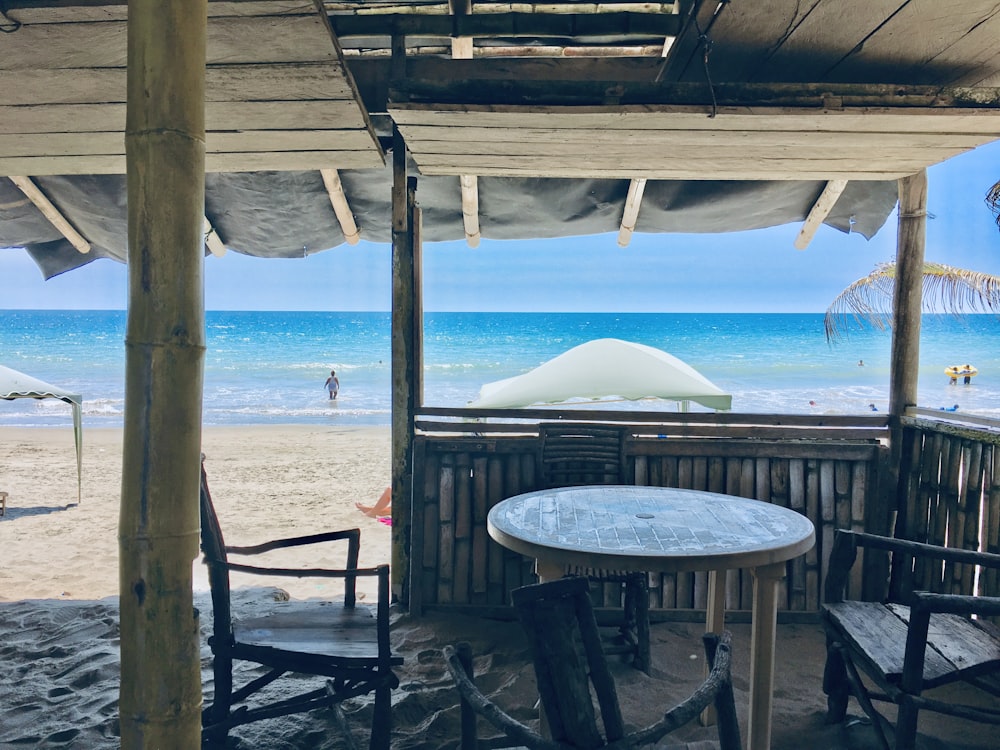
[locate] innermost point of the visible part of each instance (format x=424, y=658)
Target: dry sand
x=59, y=618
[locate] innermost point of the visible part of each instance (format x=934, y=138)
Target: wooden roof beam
x=461, y=49
x=820, y=210
x=53, y=214
x=213, y=242
x=631, y=213
x=507, y=25
x=338, y=199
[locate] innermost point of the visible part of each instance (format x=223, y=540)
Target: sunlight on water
x=267, y=367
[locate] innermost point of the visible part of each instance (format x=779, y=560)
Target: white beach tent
x=14, y=384
x=604, y=368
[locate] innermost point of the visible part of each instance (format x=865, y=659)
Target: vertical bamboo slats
x=461, y=478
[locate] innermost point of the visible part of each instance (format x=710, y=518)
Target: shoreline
x=266, y=481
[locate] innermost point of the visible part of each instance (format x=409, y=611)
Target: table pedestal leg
x=764, y=629
x=547, y=571
x=715, y=622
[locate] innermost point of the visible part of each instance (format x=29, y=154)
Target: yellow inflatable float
x=960, y=371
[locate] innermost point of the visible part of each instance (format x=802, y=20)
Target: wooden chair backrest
x=558, y=619
x=213, y=547
x=572, y=454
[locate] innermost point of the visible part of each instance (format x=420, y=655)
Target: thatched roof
x=754, y=110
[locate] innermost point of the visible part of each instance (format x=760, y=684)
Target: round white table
x=661, y=529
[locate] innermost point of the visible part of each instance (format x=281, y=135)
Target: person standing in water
x=332, y=385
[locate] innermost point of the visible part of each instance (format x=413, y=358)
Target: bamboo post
x=906, y=308
x=160, y=694
x=404, y=356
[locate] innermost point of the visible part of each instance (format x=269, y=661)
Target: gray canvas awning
x=14, y=384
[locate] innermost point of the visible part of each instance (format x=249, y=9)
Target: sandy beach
x=59, y=626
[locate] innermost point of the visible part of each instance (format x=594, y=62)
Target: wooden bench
x=913, y=641
x=3, y=503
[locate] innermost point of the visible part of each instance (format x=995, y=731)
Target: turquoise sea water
x=269, y=367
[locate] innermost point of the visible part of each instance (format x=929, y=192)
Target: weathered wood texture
x=884, y=40
x=950, y=496
x=278, y=95
x=655, y=132
x=459, y=478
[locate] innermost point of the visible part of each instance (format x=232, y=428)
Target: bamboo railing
x=949, y=495
x=826, y=468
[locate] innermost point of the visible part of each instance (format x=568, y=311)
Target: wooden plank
x=679, y=137
x=68, y=11
x=276, y=141
x=237, y=162
x=110, y=117
x=274, y=83
x=814, y=153
x=666, y=168
x=976, y=118
x=496, y=594
x=883, y=51
x=101, y=44
x=445, y=533
x=622, y=26
x=778, y=40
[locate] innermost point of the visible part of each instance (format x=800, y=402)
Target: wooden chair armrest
x=688, y=709
x=489, y=710
x=920, y=549
x=846, y=544
x=955, y=604
x=351, y=535
x=305, y=572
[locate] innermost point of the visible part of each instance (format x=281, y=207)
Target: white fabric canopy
x=14, y=384
x=604, y=368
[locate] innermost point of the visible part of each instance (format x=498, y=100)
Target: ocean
x=269, y=367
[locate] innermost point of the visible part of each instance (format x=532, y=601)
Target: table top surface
x=649, y=528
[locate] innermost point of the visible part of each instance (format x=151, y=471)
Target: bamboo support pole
x=906, y=308
x=50, y=212
x=160, y=692
x=818, y=213
x=338, y=199
x=405, y=357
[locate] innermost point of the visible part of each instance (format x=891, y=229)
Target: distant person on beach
x=967, y=371
x=949, y=408
x=332, y=384
x=873, y=407
x=382, y=506
x=861, y=363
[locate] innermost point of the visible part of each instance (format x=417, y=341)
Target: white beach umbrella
x=605, y=368
x=14, y=384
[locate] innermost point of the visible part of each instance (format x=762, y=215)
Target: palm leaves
x=993, y=200
x=954, y=290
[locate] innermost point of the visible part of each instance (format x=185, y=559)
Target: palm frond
x=945, y=288
x=993, y=201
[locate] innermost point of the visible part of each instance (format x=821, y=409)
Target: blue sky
x=757, y=271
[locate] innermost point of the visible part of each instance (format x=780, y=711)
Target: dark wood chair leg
x=906, y=723
x=725, y=702
x=382, y=719
x=835, y=683
x=640, y=597
x=470, y=739
x=218, y=712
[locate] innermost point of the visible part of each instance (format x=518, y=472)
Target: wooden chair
x=343, y=643
x=572, y=454
x=911, y=642
x=569, y=662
